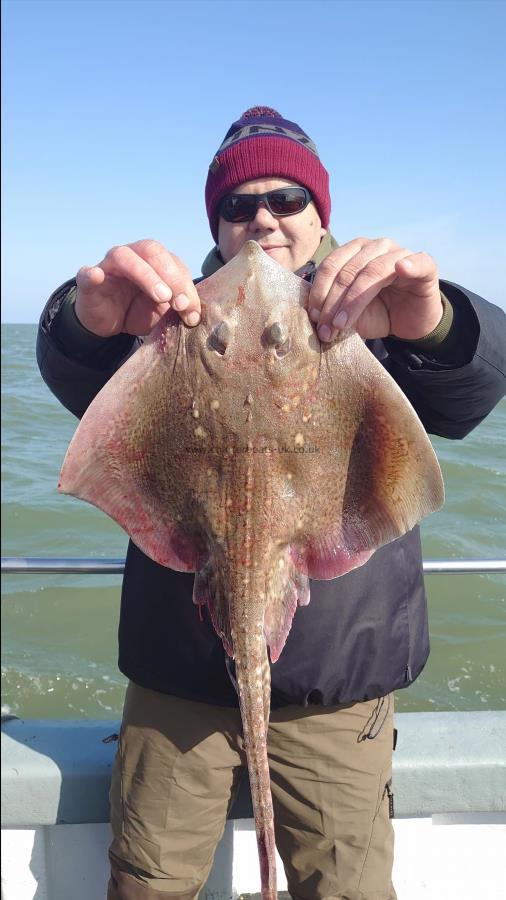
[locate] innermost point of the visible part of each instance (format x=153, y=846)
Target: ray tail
x=253, y=681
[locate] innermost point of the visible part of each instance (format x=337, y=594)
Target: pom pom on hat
x=260, y=111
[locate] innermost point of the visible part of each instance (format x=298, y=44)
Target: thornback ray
x=248, y=452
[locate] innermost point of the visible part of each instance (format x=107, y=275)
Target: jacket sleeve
x=454, y=390
x=74, y=363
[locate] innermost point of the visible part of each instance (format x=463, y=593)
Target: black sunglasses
x=283, y=202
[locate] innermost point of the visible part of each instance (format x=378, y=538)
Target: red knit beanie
x=261, y=144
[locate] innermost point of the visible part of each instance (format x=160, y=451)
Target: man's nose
x=263, y=218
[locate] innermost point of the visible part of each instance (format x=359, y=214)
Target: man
x=363, y=635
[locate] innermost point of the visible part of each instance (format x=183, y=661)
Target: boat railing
x=105, y=566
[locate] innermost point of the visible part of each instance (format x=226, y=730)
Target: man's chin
x=280, y=254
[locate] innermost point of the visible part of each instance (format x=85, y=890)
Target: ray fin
x=287, y=588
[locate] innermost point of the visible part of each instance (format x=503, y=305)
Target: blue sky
x=113, y=110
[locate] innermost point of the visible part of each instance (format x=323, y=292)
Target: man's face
x=290, y=240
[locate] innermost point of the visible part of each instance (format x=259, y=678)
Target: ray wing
x=127, y=453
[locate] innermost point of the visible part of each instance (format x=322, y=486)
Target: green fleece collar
x=326, y=246
x=213, y=260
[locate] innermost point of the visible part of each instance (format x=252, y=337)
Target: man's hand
x=377, y=287
x=132, y=288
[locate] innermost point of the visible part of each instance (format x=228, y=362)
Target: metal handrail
x=83, y=565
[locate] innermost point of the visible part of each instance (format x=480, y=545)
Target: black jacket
x=362, y=635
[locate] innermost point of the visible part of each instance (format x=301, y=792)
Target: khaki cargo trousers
x=177, y=768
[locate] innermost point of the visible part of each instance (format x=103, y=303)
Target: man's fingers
x=417, y=265
x=89, y=277
x=344, y=309
x=158, y=274
x=188, y=310
x=124, y=262
x=338, y=272
x=185, y=299
x=327, y=273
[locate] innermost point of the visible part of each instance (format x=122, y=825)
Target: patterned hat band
x=249, y=131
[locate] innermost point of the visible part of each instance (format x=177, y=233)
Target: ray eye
x=277, y=335
x=219, y=338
